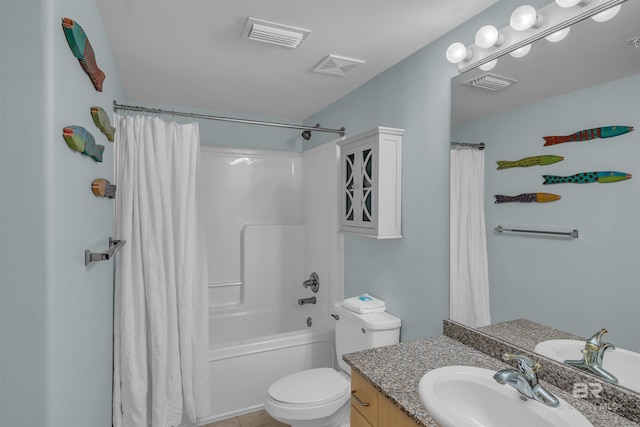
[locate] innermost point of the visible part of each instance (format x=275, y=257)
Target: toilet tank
x=355, y=332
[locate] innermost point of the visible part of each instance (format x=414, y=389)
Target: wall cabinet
x=370, y=408
x=371, y=183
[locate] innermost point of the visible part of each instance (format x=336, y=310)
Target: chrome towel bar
x=572, y=233
x=114, y=246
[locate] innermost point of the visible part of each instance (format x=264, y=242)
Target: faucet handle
x=527, y=365
x=595, y=341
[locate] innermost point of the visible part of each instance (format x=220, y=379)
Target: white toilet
x=320, y=397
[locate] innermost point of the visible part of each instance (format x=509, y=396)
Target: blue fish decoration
x=587, y=177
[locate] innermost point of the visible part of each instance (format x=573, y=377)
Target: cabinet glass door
x=366, y=206
x=349, y=187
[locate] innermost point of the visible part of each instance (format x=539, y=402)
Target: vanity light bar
x=554, y=19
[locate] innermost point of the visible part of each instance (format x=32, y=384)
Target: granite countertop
x=525, y=333
x=396, y=370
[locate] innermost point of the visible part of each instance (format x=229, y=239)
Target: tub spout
x=303, y=301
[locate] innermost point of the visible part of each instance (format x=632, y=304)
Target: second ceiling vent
x=336, y=65
x=274, y=33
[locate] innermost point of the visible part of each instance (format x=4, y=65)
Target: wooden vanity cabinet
x=369, y=408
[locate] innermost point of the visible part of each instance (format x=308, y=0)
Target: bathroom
x=57, y=314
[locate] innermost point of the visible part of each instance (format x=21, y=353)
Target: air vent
x=271, y=32
x=490, y=82
x=336, y=65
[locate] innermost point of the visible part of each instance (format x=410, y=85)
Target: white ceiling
x=190, y=53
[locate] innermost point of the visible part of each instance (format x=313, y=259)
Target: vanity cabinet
x=371, y=183
x=370, y=408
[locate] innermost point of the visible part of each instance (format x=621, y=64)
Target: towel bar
x=573, y=233
x=114, y=246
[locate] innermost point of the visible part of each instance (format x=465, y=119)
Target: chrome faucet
x=525, y=380
x=592, y=356
x=303, y=301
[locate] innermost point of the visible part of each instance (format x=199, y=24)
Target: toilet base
x=340, y=418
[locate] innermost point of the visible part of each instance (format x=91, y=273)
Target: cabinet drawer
x=364, y=398
x=358, y=420
x=391, y=415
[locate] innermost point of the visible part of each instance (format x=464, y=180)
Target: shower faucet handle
x=313, y=282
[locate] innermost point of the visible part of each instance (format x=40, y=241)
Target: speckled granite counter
x=396, y=371
x=525, y=333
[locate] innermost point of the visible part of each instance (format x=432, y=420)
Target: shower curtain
x=160, y=303
x=469, y=278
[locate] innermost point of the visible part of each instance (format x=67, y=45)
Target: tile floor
x=254, y=419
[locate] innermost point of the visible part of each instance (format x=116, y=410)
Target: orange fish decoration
x=587, y=134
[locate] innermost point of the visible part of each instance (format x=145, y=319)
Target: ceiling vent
x=336, y=65
x=490, y=82
x=271, y=32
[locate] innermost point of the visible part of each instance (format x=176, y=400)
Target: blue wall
x=578, y=285
x=411, y=274
x=23, y=256
x=56, y=313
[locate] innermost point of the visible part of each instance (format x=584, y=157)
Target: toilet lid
x=310, y=386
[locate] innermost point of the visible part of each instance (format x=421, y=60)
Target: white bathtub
x=249, y=351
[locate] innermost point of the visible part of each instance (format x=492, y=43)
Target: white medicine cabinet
x=371, y=183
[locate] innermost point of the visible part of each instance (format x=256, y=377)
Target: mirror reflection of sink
x=624, y=364
x=466, y=396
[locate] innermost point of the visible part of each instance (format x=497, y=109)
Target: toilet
x=320, y=397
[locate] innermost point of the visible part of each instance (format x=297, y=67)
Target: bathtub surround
x=468, y=277
x=270, y=222
x=160, y=311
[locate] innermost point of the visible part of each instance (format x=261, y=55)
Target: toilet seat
x=310, y=394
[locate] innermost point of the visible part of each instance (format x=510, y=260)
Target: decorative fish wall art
x=103, y=188
x=529, y=161
x=587, y=134
x=528, y=198
x=587, y=177
x=81, y=140
x=101, y=119
x=81, y=48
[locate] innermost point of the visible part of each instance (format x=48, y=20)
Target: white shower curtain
x=160, y=306
x=469, y=277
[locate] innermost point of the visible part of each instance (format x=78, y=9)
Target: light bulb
x=558, y=35
x=607, y=14
x=458, y=52
x=488, y=36
x=519, y=53
x=489, y=65
x=525, y=17
x=571, y=3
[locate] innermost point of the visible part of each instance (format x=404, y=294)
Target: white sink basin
x=623, y=364
x=466, y=396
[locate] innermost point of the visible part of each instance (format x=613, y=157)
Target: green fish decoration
x=81, y=140
x=587, y=177
x=529, y=161
x=101, y=119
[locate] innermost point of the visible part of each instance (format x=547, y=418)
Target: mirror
x=588, y=80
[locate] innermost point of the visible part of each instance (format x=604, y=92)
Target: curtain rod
x=117, y=107
x=479, y=146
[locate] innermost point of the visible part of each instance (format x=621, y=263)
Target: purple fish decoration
x=528, y=198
